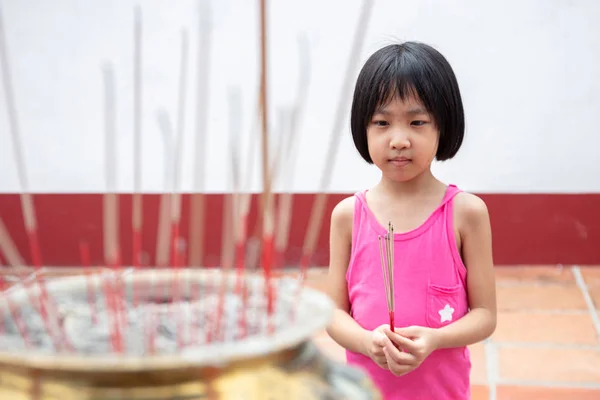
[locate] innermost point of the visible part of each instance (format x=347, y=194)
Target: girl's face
x=402, y=138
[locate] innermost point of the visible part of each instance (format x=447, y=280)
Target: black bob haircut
x=402, y=70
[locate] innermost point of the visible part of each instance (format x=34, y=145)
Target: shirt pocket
x=445, y=304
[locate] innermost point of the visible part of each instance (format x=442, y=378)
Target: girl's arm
x=343, y=329
x=473, y=224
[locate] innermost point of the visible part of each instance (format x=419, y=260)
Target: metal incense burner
x=279, y=364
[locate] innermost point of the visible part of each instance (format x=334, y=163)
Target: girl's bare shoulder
x=470, y=210
x=343, y=213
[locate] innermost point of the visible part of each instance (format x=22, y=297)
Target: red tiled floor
x=549, y=364
x=548, y=327
x=541, y=393
x=540, y=297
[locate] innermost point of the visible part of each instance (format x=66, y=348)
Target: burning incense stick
x=386, y=252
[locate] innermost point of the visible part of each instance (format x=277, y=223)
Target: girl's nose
x=399, y=140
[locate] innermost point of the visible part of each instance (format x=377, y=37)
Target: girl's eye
x=380, y=123
x=418, y=123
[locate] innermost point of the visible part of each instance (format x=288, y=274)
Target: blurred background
x=530, y=81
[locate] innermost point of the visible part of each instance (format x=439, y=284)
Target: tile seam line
x=492, y=367
x=547, y=345
x=530, y=383
x=587, y=297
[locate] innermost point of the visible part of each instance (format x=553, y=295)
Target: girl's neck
x=423, y=183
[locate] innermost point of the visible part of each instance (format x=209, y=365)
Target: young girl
x=407, y=110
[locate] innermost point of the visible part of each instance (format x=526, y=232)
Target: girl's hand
x=408, y=347
x=374, y=343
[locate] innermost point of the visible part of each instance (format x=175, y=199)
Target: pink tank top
x=429, y=276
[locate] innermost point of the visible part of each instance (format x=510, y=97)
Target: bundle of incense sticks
x=273, y=222
x=387, y=267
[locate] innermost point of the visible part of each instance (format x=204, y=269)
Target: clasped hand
x=403, y=350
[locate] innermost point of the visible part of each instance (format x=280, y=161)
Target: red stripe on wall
x=527, y=228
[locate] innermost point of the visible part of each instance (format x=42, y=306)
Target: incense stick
x=27, y=205
x=168, y=229
x=230, y=216
x=268, y=227
x=163, y=232
x=8, y=248
x=238, y=222
x=176, y=199
x=392, y=268
x=137, y=211
x=197, y=201
x=111, y=207
x=274, y=174
x=383, y=260
x=286, y=200
x=178, y=156
x=284, y=208
x=250, y=243
x=196, y=240
x=386, y=252
x=15, y=131
x=243, y=204
x=164, y=218
x=175, y=195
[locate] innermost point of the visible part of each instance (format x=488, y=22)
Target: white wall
x=528, y=71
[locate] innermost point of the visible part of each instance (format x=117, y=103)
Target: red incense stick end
x=36, y=252
x=267, y=262
x=137, y=248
